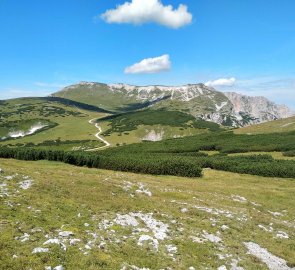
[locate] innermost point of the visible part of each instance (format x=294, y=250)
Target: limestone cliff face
x=259, y=108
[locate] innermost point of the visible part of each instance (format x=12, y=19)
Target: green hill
x=152, y=125
x=98, y=94
x=62, y=122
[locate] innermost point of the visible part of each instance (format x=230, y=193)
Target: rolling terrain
x=152, y=188
x=65, y=123
x=128, y=114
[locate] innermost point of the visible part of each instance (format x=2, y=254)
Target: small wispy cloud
x=138, y=12
x=150, y=65
x=16, y=93
x=278, y=89
x=267, y=83
x=221, y=82
x=35, y=89
x=49, y=85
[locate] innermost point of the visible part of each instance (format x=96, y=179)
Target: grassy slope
x=136, y=136
x=60, y=192
x=283, y=125
x=72, y=121
x=100, y=96
x=133, y=127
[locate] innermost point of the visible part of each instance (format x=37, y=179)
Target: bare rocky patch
x=136, y=189
x=273, y=262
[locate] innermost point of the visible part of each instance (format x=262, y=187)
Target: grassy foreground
x=97, y=219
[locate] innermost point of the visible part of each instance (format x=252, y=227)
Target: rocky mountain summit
x=259, y=107
x=199, y=100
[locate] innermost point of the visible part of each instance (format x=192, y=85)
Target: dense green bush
x=226, y=142
x=263, y=165
x=59, y=142
x=148, y=164
x=180, y=164
x=152, y=164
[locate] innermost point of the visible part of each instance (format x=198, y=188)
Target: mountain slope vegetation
x=65, y=123
x=152, y=125
x=227, y=109
x=98, y=94
x=63, y=120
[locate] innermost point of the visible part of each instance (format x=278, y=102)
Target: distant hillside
x=198, y=100
x=282, y=125
x=76, y=104
x=66, y=124
x=49, y=121
x=99, y=94
x=152, y=125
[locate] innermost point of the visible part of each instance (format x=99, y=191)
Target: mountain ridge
x=224, y=108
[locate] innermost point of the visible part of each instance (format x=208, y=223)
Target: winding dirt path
x=97, y=135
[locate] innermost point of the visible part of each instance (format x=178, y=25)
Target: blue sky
x=250, y=45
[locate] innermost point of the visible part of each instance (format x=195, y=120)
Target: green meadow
x=103, y=219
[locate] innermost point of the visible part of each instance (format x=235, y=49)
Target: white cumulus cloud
x=222, y=82
x=146, y=11
x=150, y=65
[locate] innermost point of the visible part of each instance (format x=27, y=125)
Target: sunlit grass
x=62, y=192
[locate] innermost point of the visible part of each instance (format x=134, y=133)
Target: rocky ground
x=55, y=216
